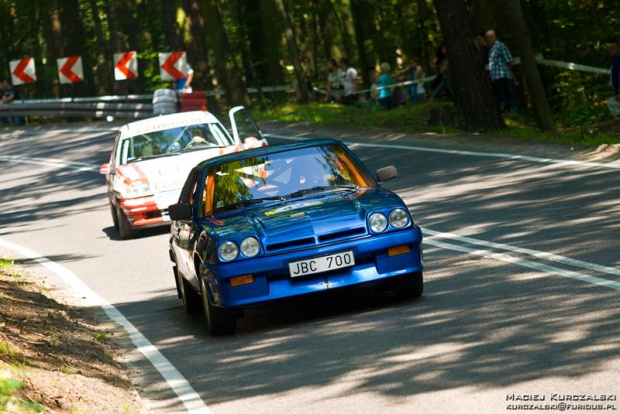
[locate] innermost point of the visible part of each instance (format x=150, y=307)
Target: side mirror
x=104, y=169
x=180, y=211
x=386, y=173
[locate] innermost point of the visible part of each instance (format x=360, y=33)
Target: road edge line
x=527, y=263
x=175, y=380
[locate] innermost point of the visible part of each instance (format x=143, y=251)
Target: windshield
x=173, y=141
x=284, y=175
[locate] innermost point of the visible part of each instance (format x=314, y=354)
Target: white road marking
x=530, y=252
x=175, y=380
x=561, y=163
x=52, y=162
x=526, y=263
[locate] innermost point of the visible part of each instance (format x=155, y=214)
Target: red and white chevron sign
x=126, y=65
x=22, y=71
x=173, y=65
x=70, y=69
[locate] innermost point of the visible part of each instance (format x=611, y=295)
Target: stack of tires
x=195, y=101
x=165, y=101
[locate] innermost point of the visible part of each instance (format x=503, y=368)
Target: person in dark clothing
x=10, y=94
x=613, y=103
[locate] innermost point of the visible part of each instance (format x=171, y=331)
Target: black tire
x=189, y=296
x=176, y=281
x=409, y=286
x=124, y=226
x=219, y=321
x=114, y=216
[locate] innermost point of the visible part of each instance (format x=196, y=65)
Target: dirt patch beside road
x=54, y=357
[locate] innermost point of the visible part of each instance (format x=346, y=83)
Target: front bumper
x=272, y=280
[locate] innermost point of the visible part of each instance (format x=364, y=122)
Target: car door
x=244, y=129
x=180, y=231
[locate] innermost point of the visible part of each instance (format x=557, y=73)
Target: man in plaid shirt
x=500, y=61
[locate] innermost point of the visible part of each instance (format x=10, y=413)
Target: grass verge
x=414, y=119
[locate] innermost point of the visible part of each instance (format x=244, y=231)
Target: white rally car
x=151, y=159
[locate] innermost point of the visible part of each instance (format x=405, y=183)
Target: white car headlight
x=250, y=247
x=138, y=189
x=378, y=223
x=399, y=218
x=228, y=251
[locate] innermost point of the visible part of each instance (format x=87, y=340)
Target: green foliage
x=411, y=118
x=6, y=263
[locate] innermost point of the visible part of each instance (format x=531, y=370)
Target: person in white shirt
x=348, y=80
x=333, y=91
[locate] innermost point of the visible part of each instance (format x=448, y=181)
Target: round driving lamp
x=378, y=223
x=228, y=251
x=250, y=247
x=399, y=218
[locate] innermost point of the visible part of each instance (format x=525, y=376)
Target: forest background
x=236, y=44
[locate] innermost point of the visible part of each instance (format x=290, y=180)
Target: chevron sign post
x=23, y=71
x=70, y=69
x=126, y=65
x=173, y=66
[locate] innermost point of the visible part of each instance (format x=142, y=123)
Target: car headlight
x=378, y=223
x=228, y=251
x=399, y=218
x=250, y=247
x=138, y=189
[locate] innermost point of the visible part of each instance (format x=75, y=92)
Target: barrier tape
x=515, y=61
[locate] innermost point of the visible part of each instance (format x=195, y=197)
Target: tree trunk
x=535, y=87
x=466, y=67
x=360, y=35
x=171, y=25
x=483, y=15
x=327, y=22
x=293, y=53
x=198, y=46
x=101, y=70
x=228, y=72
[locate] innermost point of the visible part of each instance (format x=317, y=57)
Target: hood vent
x=307, y=241
x=342, y=234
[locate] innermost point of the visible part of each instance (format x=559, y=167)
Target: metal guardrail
x=127, y=106
x=77, y=109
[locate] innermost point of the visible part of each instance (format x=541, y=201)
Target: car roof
x=162, y=122
x=273, y=149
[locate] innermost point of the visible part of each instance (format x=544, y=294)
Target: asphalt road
x=522, y=285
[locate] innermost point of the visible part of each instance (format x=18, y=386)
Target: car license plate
x=321, y=264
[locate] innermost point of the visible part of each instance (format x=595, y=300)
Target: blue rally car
x=281, y=221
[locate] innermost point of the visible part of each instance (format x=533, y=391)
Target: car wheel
x=220, y=321
x=114, y=216
x=124, y=226
x=189, y=296
x=409, y=286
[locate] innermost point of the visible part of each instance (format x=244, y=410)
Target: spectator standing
x=348, y=79
x=613, y=103
x=184, y=85
x=9, y=94
x=333, y=89
x=384, y=83
x=416, y=72
x=481, y=42
x=500, y=62
x=445, y=83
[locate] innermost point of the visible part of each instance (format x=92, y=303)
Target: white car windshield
x=173, y=141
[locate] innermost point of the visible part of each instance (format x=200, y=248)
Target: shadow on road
x=476, y=326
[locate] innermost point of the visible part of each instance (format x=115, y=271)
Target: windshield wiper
x=320, y=188
x=249, y=202
x=146, y=157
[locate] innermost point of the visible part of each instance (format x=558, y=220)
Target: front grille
x=308, y=241
x=342, y=234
